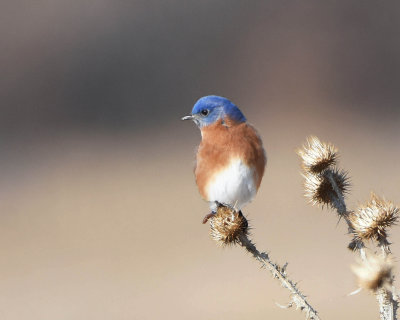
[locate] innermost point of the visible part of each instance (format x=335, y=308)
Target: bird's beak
x=188, y=118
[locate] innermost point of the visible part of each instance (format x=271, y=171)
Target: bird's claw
x=208, y=216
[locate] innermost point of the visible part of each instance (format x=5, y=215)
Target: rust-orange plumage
x=230, y=159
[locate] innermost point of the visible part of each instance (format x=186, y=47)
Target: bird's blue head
x=209, y=109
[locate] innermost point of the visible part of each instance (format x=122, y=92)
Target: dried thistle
x=317, y=156
x=326, y=185
x=319, y=188
x=370, y=221
x=227, y=225
x=374, y=273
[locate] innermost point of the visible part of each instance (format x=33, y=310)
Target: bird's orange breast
x=220, y=144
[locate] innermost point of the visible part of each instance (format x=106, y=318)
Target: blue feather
x=209, y=109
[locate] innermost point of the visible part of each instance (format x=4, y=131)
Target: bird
x=231, y=159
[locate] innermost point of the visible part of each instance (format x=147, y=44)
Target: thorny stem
x=338, y=201
x=387, y=299
x=387, y=304
x=363, y=255
x=278, y=272
x=340, y=206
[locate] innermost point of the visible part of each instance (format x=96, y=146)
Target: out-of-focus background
x=100, y=217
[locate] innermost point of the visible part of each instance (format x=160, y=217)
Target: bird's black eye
x=205, y=112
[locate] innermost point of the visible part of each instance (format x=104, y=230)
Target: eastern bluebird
x=230, y=159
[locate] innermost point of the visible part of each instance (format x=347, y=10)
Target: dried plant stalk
x=326, y=185
x=388, y=304
x=229, y=227
x=386, y=295
x=298, y=299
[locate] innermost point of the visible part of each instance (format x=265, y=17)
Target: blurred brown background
x=100, y=217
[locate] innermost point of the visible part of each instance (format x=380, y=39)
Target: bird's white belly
x=233, y=185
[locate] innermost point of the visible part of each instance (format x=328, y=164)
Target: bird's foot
x=208, y=216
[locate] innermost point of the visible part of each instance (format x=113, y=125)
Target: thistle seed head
x=319, y=189
x=317, y=156
x=371, y=221
x=374, y=273
x=226, y=225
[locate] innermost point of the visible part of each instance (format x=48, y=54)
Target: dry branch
x=229, y=227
